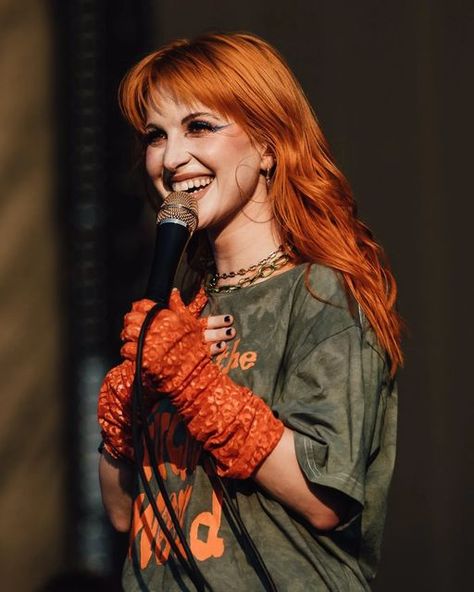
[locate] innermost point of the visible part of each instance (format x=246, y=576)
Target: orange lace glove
x=115, y=397
x=232, y=423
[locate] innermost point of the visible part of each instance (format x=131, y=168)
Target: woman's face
x=197, y=150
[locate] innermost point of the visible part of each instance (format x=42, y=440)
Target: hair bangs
x=187, y=79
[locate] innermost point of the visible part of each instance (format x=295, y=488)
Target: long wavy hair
x=242, y=77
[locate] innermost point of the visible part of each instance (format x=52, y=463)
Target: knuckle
x=212, y=322
x=210, y=335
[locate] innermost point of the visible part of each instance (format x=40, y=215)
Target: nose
x=176, y=153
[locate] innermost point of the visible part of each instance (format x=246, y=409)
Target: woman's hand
x=176, y=341
x=218, y=331
x=236, y=426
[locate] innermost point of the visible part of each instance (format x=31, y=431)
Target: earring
x=267, y=177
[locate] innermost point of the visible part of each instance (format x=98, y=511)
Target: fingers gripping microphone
x=176, y=221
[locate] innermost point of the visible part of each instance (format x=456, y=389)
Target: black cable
x=270, y=585
x=188, y=563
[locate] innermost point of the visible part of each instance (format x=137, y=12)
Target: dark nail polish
x=228, y=331
x=220, y=345
x=227, y=319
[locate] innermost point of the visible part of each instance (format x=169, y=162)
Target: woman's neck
x=242, y=245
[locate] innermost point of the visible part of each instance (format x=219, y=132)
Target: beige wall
x=31, y=487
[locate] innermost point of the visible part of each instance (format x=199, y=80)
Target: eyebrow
x=197, y=114
x=187, y=118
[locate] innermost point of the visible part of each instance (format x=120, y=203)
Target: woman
x=279, y=375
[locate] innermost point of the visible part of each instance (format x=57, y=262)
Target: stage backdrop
x=32, y=485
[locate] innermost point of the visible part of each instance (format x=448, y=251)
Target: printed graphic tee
x=322, y=372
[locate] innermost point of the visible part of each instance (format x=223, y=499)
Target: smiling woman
x=298, y=412
x=188, y=149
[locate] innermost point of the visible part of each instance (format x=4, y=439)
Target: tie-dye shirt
x=320, y=369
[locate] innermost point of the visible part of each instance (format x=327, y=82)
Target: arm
x=319, y=469
x=116, y=484
x=280, y=475
x=116, y=474
x=236, y=426
x=233, y=424
x=117, y=455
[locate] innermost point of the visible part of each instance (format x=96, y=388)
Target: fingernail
x=227, y=319
x=229, y=331
x=220, y=345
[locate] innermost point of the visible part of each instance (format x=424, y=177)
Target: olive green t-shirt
x=322, y=372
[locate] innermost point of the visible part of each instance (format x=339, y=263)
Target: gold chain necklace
x=263, y=269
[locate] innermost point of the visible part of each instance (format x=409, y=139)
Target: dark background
x=392, y=86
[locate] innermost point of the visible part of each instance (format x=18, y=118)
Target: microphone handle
x=171, y=238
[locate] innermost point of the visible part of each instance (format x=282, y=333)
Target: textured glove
x=115, y=410
x=115, y=396
x=232, y=423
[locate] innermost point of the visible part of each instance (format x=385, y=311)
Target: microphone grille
x=179, y=206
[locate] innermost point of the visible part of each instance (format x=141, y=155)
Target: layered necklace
x=263, y=269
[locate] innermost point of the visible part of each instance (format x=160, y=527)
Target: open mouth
x=193, y=186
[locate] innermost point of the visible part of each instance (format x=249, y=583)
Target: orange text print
x=203, y=535
x=229, y=360
x=149, y=537
x=176, y=455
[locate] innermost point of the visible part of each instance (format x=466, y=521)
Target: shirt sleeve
x=330, y=399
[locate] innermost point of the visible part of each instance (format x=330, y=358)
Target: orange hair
x=244, y=78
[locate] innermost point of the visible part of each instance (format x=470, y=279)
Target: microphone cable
x=177, y=208
x=188, y=562
x=268, y=582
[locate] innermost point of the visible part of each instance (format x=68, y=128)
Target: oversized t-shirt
x=320, y=369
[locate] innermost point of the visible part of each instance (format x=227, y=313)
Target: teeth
x=192, y=183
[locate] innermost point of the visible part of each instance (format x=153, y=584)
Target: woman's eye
x=198, y=127
x=153, y=137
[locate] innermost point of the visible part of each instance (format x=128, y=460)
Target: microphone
x=176, y=221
